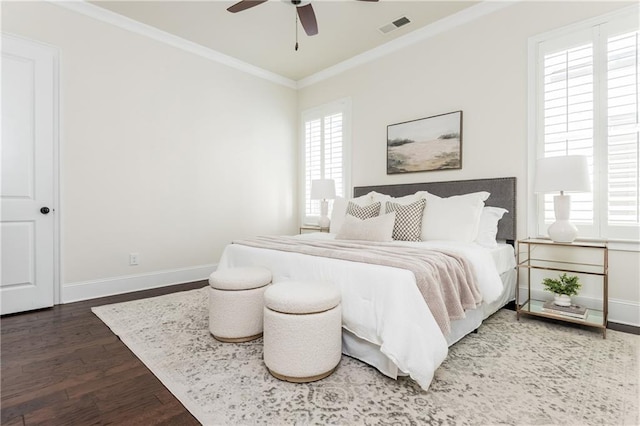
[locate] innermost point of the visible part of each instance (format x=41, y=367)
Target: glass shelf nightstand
x=305, y=229
x=546, y=255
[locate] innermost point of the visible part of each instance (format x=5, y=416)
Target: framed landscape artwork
x=427, y=144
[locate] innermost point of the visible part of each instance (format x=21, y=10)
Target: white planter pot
x=562, y=300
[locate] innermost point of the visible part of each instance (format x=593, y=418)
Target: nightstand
x=587, y=259
x=306, y=229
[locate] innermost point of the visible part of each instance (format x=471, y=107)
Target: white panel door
x=27, y=229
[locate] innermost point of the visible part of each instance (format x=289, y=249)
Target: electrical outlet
x=133, y=259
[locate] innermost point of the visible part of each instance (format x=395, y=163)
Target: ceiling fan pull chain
x=296, y=13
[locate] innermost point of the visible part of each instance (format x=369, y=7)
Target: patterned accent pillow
x=408, y=224
x=363, y=212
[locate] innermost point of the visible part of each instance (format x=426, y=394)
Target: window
x=325, y=153
x=586, y=103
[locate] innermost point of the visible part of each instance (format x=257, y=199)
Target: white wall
x=171, y=156
x=481, y=69
x=163, y=153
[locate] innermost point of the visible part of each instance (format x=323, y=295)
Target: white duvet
x=380, y=304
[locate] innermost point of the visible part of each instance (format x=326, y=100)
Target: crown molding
x=445, y=24
x=452, y=21
x=109, y=17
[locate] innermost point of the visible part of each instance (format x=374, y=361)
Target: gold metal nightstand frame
x=595, y=318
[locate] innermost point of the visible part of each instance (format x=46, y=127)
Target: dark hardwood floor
x=63, y=366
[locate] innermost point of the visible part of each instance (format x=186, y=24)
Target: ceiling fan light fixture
x=298, y=3
x=304, y=10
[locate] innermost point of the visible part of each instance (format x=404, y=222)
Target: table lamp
x=323, y=189
x=562, y=174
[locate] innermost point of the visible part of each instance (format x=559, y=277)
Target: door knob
x=44, y=210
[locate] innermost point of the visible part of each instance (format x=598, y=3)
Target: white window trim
x=533, y=102
x=343, y=105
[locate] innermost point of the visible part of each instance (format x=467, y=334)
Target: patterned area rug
x=526, y=372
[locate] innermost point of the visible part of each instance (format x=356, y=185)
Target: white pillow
x=339, y=210
x=379, y=228
x=407, y=199
x=454, y=219
x=488, y=227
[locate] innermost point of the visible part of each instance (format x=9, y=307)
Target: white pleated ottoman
x=236, y=300
x=302, y=330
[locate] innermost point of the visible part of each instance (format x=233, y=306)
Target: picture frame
x=426, y=144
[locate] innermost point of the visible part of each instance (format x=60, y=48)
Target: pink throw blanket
x=445, y=280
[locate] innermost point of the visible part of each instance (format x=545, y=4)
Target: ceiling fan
x=305, y=12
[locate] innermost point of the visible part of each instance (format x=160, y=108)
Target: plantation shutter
x=333, y=151
x=313, y=162
x=623, y=82
x=324, y=154
x=588, y=105
x=568, y=111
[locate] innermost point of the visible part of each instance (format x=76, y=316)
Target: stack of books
x=573, y=311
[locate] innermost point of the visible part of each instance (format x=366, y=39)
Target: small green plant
x=565, y=285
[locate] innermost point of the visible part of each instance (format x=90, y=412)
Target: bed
x=387, y=321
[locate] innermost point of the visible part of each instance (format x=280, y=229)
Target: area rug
x=510, y=372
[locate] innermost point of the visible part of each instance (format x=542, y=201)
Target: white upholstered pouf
x=302, y=330
x=236, y=300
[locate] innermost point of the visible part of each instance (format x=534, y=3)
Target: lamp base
x=562, y=231
x=323, y=221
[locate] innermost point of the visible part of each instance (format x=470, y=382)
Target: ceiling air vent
x=394, y=25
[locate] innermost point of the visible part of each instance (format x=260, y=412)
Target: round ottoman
x=236, y=299
x=302, y=330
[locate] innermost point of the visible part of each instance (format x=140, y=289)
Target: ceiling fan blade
x=244, y=4
x=308, y=19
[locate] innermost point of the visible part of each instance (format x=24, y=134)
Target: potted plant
x=563, y=288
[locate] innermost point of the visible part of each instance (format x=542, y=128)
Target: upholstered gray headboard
x=503, y=194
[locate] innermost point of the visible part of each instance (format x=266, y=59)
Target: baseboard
x=631, y=329
x=85, y=290
x=622, y=312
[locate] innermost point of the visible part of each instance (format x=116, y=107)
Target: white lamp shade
x=569, y=174
x=323, y=189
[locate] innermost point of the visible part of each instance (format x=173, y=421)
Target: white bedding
x=382, y=306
